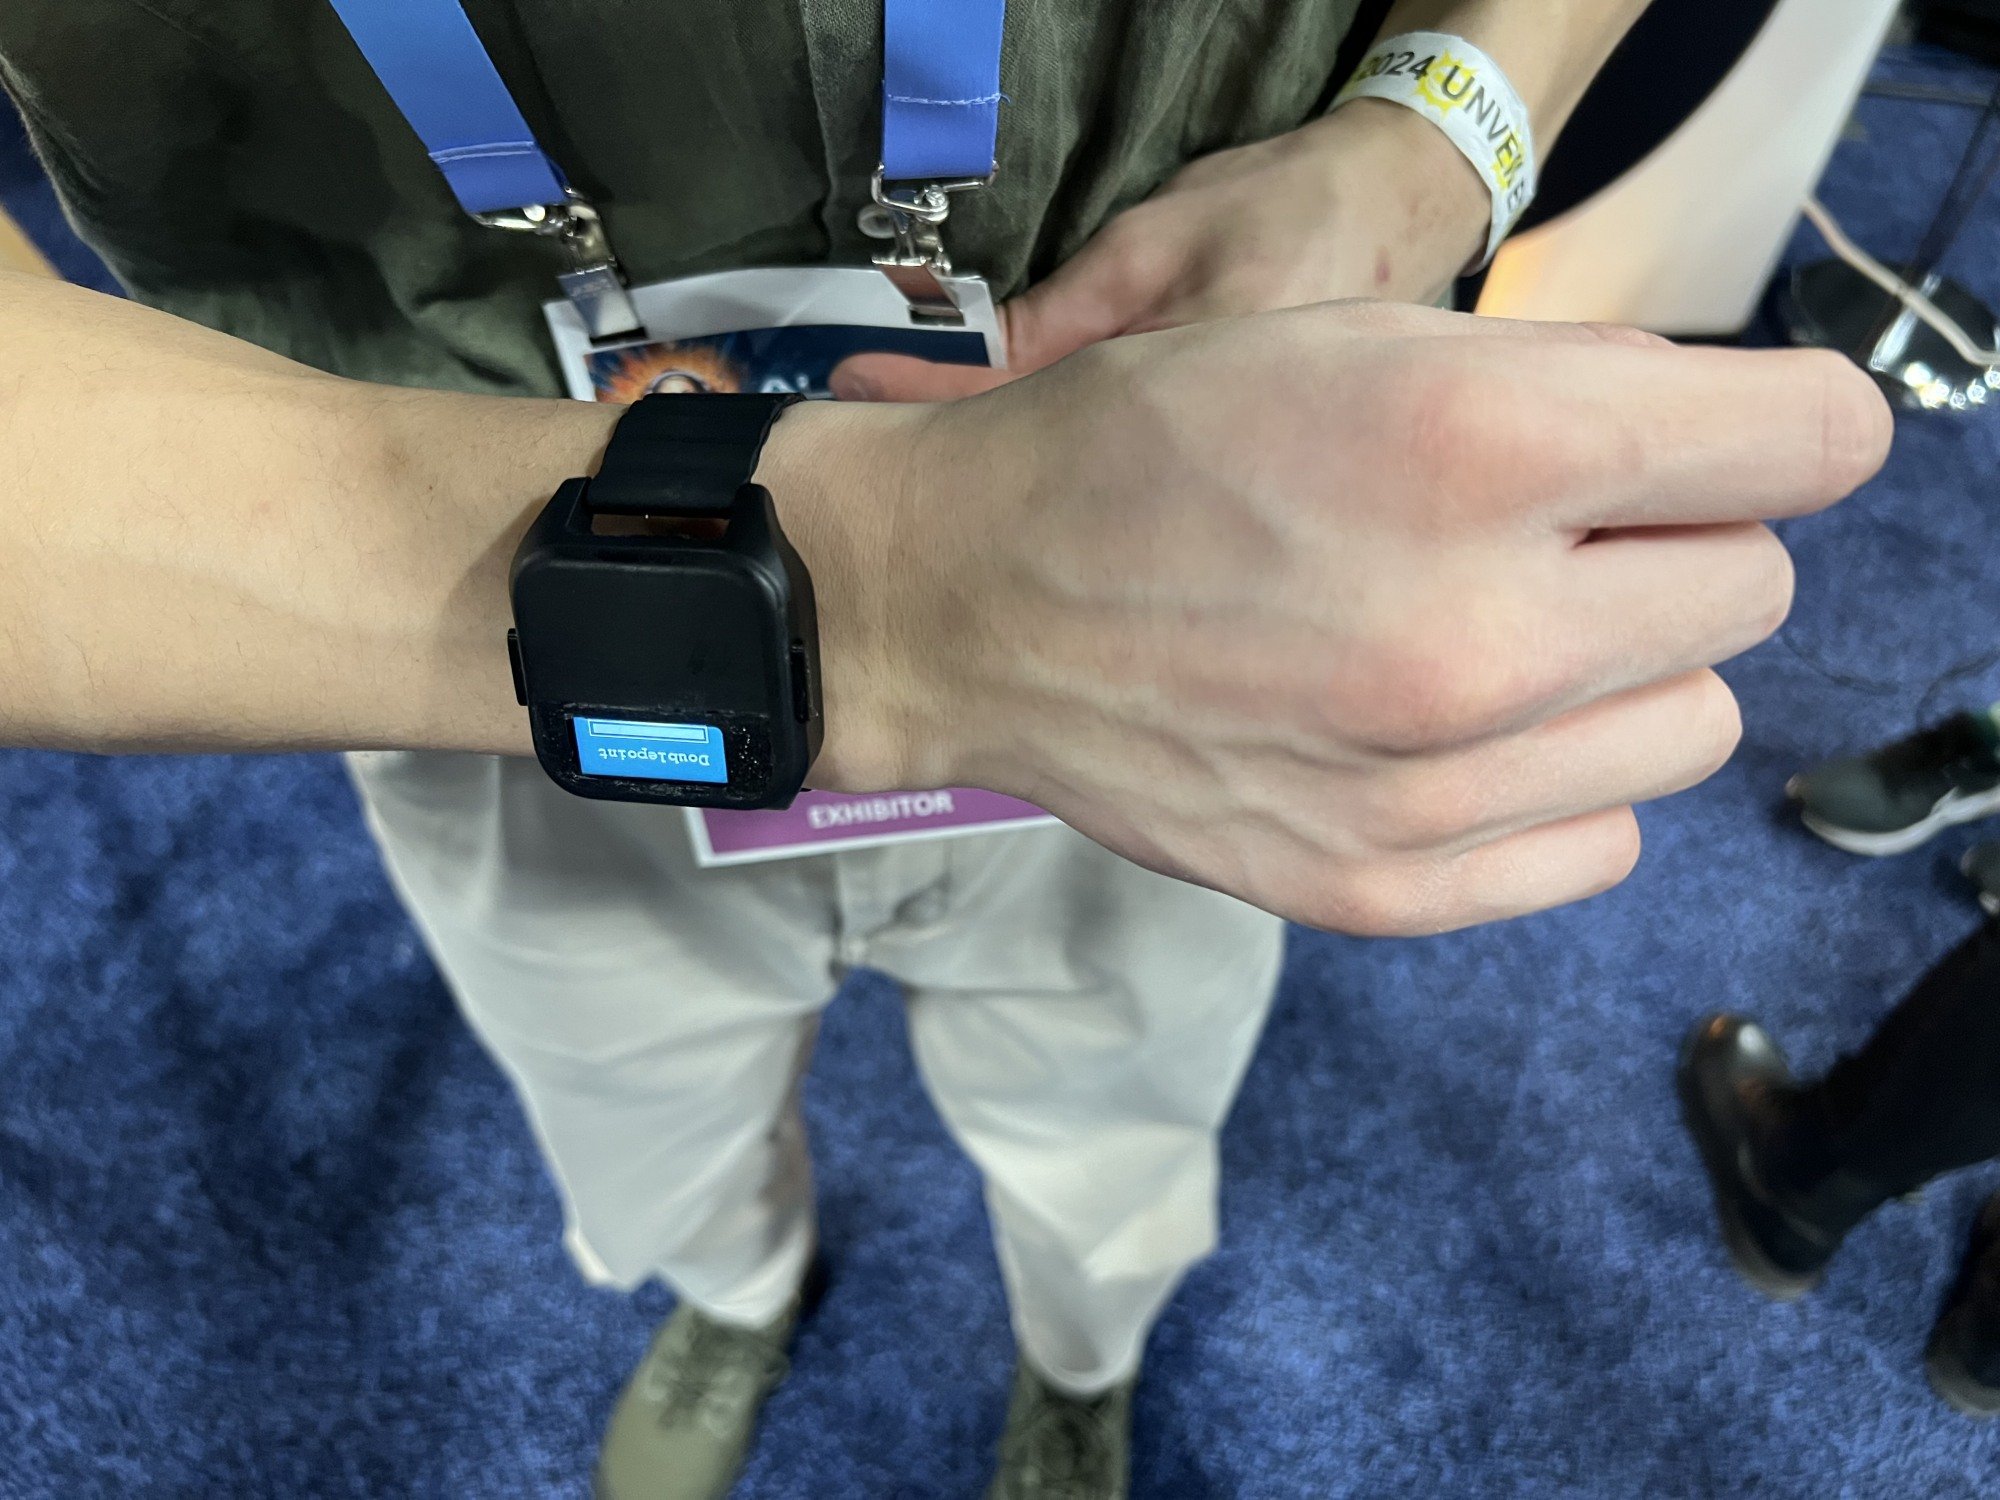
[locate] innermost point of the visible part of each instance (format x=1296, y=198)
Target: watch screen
x=649, y=751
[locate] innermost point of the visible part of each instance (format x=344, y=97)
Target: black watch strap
x=684, y=455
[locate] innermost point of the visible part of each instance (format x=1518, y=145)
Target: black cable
x=1969, y=184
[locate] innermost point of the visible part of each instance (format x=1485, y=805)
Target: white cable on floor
x=1925, y=309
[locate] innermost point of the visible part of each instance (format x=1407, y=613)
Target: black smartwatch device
x=664, y=641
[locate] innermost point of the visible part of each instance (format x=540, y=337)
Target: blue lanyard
x=436, y=69
x=940, y=89
x=940, y=123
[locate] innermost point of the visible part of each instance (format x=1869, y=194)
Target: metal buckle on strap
x=594, y=282
x=912, y=217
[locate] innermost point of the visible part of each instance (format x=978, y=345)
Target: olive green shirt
x=236, y=161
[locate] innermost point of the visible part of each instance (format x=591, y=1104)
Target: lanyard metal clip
x=594, y=282
x=912, y=219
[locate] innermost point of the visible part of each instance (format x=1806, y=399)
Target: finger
x=1642, y=606
x=1085, y=302
x=1028, y=332
x=1556, y=864
x=1484, y=659
x=1071, y=311
x=1637, y=747
x=1081, y=304
x=904, y=377
x=1551, y=865
x=1675, y=436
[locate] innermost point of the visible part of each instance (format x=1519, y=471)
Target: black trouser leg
x=1921, y=1098
x=1982, y=1295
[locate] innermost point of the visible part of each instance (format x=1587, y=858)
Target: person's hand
x=1372, y=201
x=1378, y=617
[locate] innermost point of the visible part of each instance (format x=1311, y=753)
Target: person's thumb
x=1037, y=328
x=904, y=377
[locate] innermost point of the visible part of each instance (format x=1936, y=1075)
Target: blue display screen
x=651, y=752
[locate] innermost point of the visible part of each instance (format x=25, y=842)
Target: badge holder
x=594, y=283
x=917, y=265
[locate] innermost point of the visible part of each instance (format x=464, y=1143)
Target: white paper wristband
x=1462, y=91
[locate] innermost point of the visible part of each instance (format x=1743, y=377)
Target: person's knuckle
x=1423, y=703
x=1479, y=448
x=1416, y=699
x=1439, y=414
x=1458, y=674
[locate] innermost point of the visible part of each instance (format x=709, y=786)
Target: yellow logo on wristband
x=1463, y=92
x=1447, y=83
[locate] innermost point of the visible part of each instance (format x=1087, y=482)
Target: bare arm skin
x=1376, y=616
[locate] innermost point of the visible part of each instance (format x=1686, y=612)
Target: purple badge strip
x=821, y=822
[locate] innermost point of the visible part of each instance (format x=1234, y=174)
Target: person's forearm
x=204, y=546
x=1379, y=181
x=1550, y=51
x=207, y=546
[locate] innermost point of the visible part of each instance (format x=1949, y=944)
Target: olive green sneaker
x=1893, y=799
x=682, y=1425
x=1063, y=1447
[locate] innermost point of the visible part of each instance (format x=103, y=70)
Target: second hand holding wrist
x=1371, y=201
x=1378, y=617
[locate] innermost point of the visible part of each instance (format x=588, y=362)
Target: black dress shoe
x=1732, y=1083
x=1963, y=1360
x=1981, y=864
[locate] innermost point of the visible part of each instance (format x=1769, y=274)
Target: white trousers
x=1081, y=1024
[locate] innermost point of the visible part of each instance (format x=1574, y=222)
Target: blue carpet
x=270, y=1224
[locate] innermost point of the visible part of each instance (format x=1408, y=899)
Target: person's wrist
x=843, y=477
x=1431, y=211
x=481, y=469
